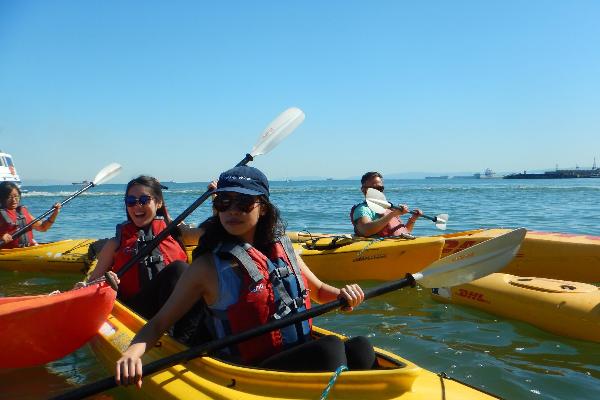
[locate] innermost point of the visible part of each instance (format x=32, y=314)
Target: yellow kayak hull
x=570, y=309
x=369, y=259
x=543, y=254
x=64, y=256
x=209, y=378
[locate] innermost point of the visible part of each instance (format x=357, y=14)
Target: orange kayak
x=39, y=329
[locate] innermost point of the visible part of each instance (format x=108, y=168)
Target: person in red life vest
x=14, y=216
x=368, y=223
x=148, y=284
x=248, y=274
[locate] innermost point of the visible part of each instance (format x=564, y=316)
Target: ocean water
x=510, y=359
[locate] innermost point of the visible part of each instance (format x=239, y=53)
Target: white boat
x=8, y=171
x=488, y=174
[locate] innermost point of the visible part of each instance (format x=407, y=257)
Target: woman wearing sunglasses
x=248, y=274
x=147, y=285
x=14, y=216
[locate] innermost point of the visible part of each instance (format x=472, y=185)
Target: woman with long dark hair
x=246, y=271
x=14, y=216
x=148, y=284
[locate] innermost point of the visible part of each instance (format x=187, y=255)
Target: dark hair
x=156, y=190
x=269, y=229
x=5, y=189
x=369, y=175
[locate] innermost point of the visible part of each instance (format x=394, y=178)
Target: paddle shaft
x=201, y=350
x=147, y=249
x=434, y=219
x=27, y=227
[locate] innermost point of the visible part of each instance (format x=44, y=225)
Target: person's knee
x=331, y=352
x=360, y=353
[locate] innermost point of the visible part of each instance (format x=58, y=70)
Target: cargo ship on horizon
x=559, y=174
x=487, y=174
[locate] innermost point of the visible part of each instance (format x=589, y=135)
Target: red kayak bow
x=35, y=330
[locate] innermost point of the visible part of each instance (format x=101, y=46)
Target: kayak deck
x=63, y=256
x=566, y=308
x=551, y=255
x=369, y=259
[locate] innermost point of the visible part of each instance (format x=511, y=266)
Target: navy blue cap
x=244, y=180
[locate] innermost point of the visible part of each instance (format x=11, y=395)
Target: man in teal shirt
x=368, y=223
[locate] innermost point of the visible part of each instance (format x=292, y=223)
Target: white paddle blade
x=376, y=195
x=441, y=221
x=107, y=173
x=278, y=130
x=472, y=263
x=377, y=201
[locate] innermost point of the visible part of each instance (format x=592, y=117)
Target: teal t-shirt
x=363, y=210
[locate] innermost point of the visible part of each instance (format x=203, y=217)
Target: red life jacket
x=131, y=238
x=11, y=221
x=395, y=227
x=271, y=288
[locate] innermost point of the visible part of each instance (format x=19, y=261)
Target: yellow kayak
x=339, y=257
x=543, y=254
x=565, y=308
x=65, y=256
x=209, y=378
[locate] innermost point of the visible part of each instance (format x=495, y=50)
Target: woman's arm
x=105, y=259
x=196, y=282
x=44, y=226
x=321, y=292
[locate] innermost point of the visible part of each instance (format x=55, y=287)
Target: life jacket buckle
x=151, y=260
x=282, y=311
x=279, y=273
x=297, y=303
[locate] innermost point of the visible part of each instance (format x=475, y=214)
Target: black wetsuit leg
x=323, y=354
x=192, y=328
x=155, y=293
x=360, y=354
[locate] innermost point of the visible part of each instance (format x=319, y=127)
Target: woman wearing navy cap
x=248, y=274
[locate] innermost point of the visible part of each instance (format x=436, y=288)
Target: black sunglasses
x=243, y=202
x=131, y=201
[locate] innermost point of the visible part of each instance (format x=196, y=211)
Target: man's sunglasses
x=243, y=202
x=131, y=201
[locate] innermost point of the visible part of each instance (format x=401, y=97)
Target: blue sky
x=182, y=89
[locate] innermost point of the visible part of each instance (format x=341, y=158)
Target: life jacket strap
x=286, y=242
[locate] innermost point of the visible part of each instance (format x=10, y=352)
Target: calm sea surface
x=510, y=359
